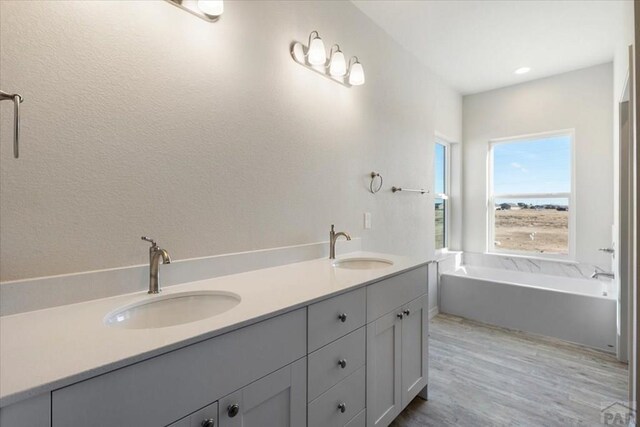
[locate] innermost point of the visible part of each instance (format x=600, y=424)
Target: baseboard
x=433, y=312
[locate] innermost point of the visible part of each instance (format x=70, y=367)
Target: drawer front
x=391, y=293
x=200, y=418
x=326, y=322
x=163, y=389
x=359, y=420
x=324, y=411
x=325, y=369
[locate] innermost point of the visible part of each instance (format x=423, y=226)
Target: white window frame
x=446, y=195
x=491, y=197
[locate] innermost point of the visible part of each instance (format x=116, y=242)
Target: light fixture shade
x=211, y=7
x=316, y=54
x=338, y=66
x=356, y=74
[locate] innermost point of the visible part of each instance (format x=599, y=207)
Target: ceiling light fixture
x=209, y=10
x=314, y=57
x=522, y=70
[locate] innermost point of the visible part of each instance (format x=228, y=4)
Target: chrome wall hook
x=17, y=100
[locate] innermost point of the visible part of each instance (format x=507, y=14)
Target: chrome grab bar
x=17, y=100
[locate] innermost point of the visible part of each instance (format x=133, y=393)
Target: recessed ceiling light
x=522, y=70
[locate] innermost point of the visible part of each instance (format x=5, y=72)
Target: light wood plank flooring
x=488, y=376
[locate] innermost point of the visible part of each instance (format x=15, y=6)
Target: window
x=530, y=195
x=441, y=198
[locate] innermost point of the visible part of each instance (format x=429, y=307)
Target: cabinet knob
x=342, y=317
x=208, y=423
x=232, y=410
x=342, y=363
x=342, y=407
x=400, y=315
x=407, y=312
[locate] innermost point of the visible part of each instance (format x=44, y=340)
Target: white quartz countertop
x=43, y=350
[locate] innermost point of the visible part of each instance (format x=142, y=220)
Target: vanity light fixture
x=356, y=72
x=522, y=70
x=209, y=10
x=337, y=64
x=314, y=57
x=316, y=53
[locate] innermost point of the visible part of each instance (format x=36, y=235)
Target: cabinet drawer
x=326, y=322
x=324, y=411
x=163, y=389
x=324, y=368
x=359, y=420
x=391, y=293
x=200, y=418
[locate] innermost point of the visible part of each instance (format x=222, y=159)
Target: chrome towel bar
x=410, y=190
x=17, y=100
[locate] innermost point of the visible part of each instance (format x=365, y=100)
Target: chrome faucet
x=601, y=273
x=333, y=236
x=155, y=253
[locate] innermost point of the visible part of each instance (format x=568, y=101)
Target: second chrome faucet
x=155, y=255
x=333, y=236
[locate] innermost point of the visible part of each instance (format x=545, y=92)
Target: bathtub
x=582, y=311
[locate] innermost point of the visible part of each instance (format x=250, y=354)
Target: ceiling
x=477, y=45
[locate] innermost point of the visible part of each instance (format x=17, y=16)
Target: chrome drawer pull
x=342, y=317
x=407, y=313
x=208, y=423
x=342, y=363
x=342, y=407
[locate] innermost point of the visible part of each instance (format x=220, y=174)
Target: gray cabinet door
x=415, y=333
x=277, y=400
x=384, y=382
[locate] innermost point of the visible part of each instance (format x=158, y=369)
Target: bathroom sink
x=172, y=309
x=362, y=263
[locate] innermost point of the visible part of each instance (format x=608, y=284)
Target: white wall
x=140, y=118
x=620, y=78
x=580, y=100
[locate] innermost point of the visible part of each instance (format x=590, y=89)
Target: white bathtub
x=575, y=310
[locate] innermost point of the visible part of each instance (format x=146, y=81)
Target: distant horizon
x=535, y=202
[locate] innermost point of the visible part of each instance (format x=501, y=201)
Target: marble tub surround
x=449, y=261
x=79, y=345
x=43, y=292
x=532, y=265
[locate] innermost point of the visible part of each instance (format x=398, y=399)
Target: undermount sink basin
x=172, y=309
x=362, y=263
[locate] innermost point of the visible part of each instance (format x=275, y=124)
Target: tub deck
x=484, y=375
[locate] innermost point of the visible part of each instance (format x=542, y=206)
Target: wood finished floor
x=488, y=376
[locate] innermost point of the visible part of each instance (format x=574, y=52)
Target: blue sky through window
x=541, y=165
x=440, y=162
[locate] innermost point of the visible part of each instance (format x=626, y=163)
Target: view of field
x=439, y=224
x=532, y=230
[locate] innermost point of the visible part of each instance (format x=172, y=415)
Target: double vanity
x=317, y=343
